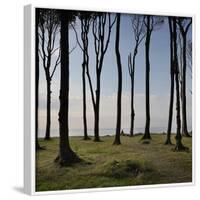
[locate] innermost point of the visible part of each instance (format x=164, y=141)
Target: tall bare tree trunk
x=96, y=110
x=179, y=145
x=84, y=101
x=84, y=18
x=184, y=112
x=37, y=146
x=119, y=93
x=138, y=23
x=48, y=116
x=132, y=106
x=132, y=75
x=168, y=140
x=101, y=41
x=66, y=155
x=147, y=48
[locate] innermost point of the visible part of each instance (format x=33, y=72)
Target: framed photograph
x=108, y=100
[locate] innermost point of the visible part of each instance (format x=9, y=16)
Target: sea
x=103, y=131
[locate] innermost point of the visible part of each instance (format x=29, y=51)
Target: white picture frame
x=29, y=106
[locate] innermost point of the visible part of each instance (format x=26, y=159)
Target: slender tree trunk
x=132, y=108
x=179, y=145
x=168, y=140
x=37, y=146
x=48, y=124
x=84, y=102
x=119, y=93
x=132, y=95
x=147, y=48
x=66, y=155
x=96, y=110
x=184, y=112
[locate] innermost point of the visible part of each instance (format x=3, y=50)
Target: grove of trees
x=97, y=28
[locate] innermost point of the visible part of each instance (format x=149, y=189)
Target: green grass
x=107, y=165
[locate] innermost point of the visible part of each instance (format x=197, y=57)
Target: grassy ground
x=132, y=163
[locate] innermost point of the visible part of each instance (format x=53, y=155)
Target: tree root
x=168, y=142
x=116, y=142
x=86, y=138
x=69, y=159
x=146, y=137
x=181, y=147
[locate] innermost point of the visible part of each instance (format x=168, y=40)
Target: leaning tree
x=49, y=53
x=138, y=27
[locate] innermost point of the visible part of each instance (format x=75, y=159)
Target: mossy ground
x=131, y=163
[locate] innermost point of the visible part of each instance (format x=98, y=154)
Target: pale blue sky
x=159, y=82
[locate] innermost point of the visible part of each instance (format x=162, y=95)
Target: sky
x=159, y=84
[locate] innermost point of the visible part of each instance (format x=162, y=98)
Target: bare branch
x=73, y=48
x=40, y=53
x=129, y=64
x=109, y=31
x=76, y=34
x=55, y=50
x=56, y=64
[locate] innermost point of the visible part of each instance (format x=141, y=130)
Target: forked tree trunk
x=179, y=146
x=119, y=93
x=101, y=41
x=147, y=48
x=184, y=112
x=66, y=155
x=168, y=140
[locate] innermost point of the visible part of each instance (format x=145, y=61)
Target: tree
x=179, y=146
x=66, y=156
x=189, y=55
x=101, y=40
x=48, y=30
x=151, y=23
x=139, y=34
x=85, y=19
x=168, y=140
x=37, y=60
x=189, y=58
x=184, y=24
x=119, y=93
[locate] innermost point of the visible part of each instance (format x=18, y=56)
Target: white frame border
x=29, y=101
